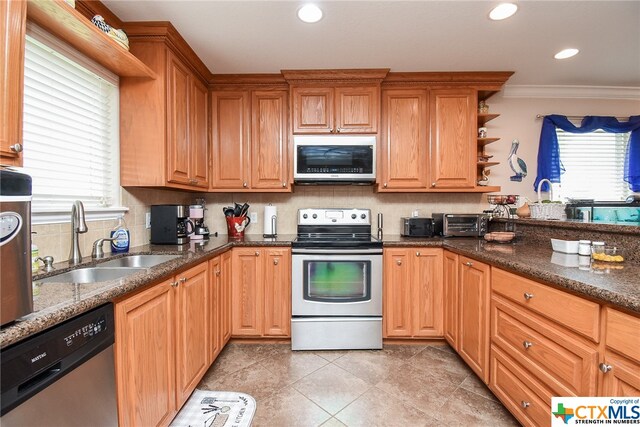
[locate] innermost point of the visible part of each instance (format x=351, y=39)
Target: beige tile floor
x=401, y=385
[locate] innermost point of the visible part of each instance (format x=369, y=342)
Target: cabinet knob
x=468, y=263
x=525, y=404
x=605, y=367
x=217, y=272
x=244, y=184
x=16, y=148
x=385, y=185
x=183, y=280
x=399, y=261
x=284, y=185
x=526, y=344
x=338, y=130
x=417, y=253
x=257, y=253
x=275, y=262
x=433, y=184
x=174, y=284
x=528, y=296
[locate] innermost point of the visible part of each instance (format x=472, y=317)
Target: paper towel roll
x=270, y=228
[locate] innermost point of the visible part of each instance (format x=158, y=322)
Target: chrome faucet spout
x=78, y=226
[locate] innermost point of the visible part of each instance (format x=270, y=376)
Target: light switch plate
x=253, y=216
x=147, y=220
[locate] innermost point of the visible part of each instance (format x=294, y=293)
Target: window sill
x=95, y=214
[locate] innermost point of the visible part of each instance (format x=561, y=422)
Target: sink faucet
x=78, y=225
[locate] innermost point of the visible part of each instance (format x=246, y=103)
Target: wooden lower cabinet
x=473, y=317
x=450, y=296
x=412, y=300
x=620, y=364
x=622, y=377
x=145, y=357
x=219, y=303
x=162, y=347
x=261, y=292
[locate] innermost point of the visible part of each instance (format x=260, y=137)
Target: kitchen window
x=593, y=165
x=70, y=131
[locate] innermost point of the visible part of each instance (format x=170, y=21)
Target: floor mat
x=216, y=409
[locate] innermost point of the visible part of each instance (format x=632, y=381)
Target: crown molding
x=577, y=92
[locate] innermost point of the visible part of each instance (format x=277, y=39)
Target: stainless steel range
x=337, y=281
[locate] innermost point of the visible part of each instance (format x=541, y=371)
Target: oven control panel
x=334, y=217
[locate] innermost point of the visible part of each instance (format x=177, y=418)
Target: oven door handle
x=328, y=251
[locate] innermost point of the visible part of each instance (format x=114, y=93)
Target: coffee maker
x=170, y=225
x=196, y=214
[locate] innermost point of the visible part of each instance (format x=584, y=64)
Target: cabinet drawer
x=528, y=401
x=577, y=314
x=565, y=364
x=623, y=333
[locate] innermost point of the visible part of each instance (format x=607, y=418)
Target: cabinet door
x=427, y=292
x=269, y=160
x=178, y=150
x=215, y=308
x=357, y=109
x=246, y=292
x=312, y=109
x=404, y=141
x=623, y=377
x=277, y=292
x=473, y=344
x=192, y=326
x=13, y=16
x=397, y=297
x=225, y=261
x=453, y=139
x=230, y=126
x=199, y=134
x=145, y=357
x=450, y=291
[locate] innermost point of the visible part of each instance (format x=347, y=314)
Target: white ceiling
x=265, y=37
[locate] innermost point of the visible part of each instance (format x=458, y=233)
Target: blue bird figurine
x=518, y=166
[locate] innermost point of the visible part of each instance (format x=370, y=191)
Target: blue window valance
x=550, y=164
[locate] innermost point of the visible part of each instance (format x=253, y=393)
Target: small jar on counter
x=597, y=248
x=584, y=247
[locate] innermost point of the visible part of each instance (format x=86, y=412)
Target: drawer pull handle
x=174, y=284
x=275, y=262
x=257, y=253
x=417, y=253
x=183, y=279
x=525, y=404
x=284, y=185
x=605, y=368
x=385, y=185
x=468, y=264
x=528, y=296
x=16, y=148
x=527, y=344
x=244, y=184
x=399, y=261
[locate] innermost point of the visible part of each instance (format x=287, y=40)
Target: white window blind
x=70, y=129
x=594, y=165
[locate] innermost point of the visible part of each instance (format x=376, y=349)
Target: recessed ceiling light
x=566, y=53
x=503, y=11
x=310, y=13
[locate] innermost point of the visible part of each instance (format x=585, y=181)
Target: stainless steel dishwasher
x=63, y=376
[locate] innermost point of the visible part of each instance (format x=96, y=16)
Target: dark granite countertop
x=55, y=303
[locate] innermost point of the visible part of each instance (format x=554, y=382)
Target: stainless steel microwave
x=334, y=159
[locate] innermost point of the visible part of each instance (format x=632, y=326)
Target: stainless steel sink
x=138, y=261
x=91, y=275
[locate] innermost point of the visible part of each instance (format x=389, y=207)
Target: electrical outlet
x=253, y=216
x=147, y=220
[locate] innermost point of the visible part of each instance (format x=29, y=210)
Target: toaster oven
x=469, y=225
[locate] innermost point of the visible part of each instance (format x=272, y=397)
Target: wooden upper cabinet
x=473, y=306
x=404, y=149
x=328, y=109
x=230, y=118
x=357, y=109
x=199, y=133
x=13, y=15
x=269, y=146
x=312, y=110
x=453, y=141
x=178, y=149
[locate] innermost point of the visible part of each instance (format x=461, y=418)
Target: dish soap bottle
x=121, y=235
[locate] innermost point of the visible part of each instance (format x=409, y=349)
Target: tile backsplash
x=55, y=239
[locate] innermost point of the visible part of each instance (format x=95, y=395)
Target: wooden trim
x=459, y=77
x=165, y=32
x=361, y=74
x=91, y=8
x=246, y=79
x=477, y=189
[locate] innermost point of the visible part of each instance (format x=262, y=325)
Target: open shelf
x=66, y=23
x=486, y=141
x=484, y=118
